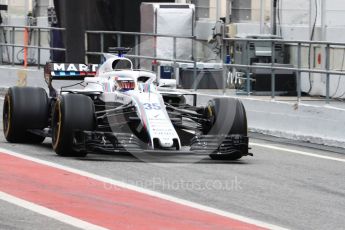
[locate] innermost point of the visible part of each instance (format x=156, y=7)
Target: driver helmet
x=125, y=84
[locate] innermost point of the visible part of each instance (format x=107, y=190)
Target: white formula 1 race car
x=119, y=109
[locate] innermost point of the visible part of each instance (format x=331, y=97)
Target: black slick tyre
x=229, y=118
x=71, y=112
x=24, y=109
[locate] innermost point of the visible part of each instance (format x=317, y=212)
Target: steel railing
x=298, y=69
x=227, y=42
x=13, y=29
x=324, y=69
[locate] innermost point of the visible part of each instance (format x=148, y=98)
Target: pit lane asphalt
x=13, y=217
x=286, y=189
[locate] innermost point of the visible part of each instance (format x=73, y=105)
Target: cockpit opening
x=121, y=64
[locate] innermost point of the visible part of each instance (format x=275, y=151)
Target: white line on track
x=146, y=191
x=298, y=152
x=49, y=213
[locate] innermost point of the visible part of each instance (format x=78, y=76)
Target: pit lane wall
x=319, y=124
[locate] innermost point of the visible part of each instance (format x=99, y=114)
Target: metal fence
x=227, y=43
x=228, y=67
x=14, y=41
x=298, y=69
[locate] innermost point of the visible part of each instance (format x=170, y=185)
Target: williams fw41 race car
x=118, y=109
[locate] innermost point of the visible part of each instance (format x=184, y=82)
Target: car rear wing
x=69, y=71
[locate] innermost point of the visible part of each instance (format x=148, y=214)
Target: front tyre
x=72, y=112
x=228, y=118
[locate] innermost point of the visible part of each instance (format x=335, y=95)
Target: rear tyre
x=229, y=118
x=71, y=112
x=25, y=108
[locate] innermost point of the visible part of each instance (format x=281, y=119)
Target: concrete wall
x=256, y=11
x=42, y=7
